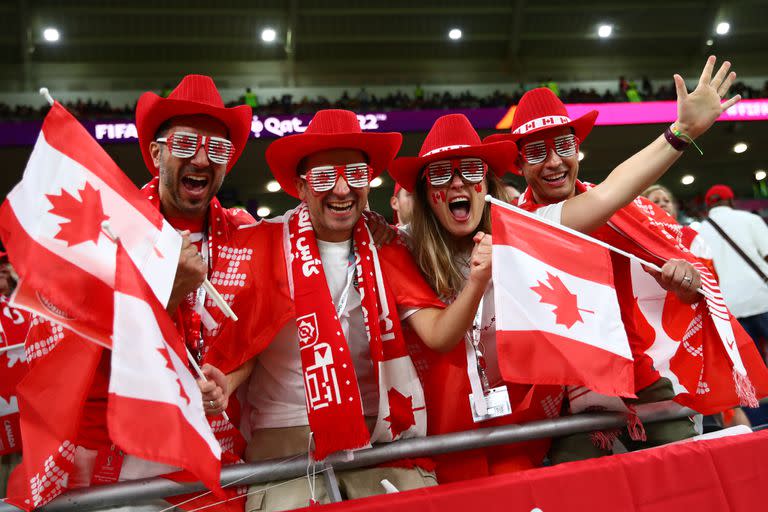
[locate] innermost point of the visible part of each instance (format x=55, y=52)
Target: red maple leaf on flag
x=169, y=364
x=555, y=293
x=400, y=412
x=84, y=216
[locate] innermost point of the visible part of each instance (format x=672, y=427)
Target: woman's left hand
x=481, y=259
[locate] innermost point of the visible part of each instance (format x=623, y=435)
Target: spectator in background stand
x=513, y=193
x=663, y=198
x=402, y=206
x=743, y=277
x=250, y=98
x=632, y=94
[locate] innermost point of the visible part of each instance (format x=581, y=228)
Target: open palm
x=697, y=111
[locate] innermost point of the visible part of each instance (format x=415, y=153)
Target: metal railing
x=128, y=493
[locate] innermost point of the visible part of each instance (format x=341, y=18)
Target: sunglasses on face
x=324, y=177
x=440, y=173
x=537, y=151
x=187, y=144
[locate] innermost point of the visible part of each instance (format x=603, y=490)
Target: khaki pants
x=579, y=446
x=295, y=493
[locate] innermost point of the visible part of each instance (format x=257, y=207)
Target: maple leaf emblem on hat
x=400, y=412
x=555, y=293
x=84, y=216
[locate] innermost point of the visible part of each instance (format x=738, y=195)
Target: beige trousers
x=296, y=493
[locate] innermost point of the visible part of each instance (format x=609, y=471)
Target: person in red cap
x=548, y=140
x=739, y=243
x=402, y=205
x=338, y=375
x=189, y=141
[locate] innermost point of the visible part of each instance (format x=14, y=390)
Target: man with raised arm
x=548, y=141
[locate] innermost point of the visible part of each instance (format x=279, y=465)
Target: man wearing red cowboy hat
x=189, y=142
x=338, y=375
x=548, y=141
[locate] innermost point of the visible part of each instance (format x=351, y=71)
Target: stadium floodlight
x=740, y=147
x=263, y=212
x=268, y=35
x=605, y=31
x=51, y=34
x=273, y=186
x=455, y=34
x=723, y=28
x=687, y=179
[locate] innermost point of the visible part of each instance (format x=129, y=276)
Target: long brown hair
x=435, y=249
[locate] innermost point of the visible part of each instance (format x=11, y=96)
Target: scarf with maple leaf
x=334, y=404
x=700, y=348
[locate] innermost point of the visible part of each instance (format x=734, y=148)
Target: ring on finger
x=211, y=404
x=688, y=279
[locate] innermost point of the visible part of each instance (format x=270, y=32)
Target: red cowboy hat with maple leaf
x=330, y=129
x=453, y=136
x=540, y=109
x=195, y=95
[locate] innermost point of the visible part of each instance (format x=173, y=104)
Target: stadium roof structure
x=113, y=44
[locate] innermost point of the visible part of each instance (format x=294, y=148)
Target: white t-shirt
x=276, y=387
x=743, y=289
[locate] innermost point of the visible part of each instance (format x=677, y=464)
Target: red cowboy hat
x=195, y=95
x=539, y=109
x=718, y=193
x=452, y=136
x=330, y=129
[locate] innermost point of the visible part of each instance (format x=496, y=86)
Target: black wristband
x=676, y=142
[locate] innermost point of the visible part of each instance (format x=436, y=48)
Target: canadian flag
x=51, y=224
x=14, y=325
x=150, y=380
x=557, y=314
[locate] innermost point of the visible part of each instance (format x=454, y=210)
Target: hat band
x=541, y=122
x=445, y=148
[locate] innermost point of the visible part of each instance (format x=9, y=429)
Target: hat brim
x=152, y=111
x=500, y=157
x=582, y=126
x=285, y=154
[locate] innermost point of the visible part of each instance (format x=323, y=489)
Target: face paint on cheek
x=478, y=188
x=438, y=197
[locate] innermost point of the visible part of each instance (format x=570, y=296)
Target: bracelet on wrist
x=679, y=140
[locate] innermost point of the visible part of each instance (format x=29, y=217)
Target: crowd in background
x=365, y=101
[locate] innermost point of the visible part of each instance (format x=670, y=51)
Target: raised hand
x=697, y=111
x=480, y=261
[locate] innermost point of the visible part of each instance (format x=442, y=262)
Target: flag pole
x=10, y=347
x=47, y=95
x=105, y=227
x=538, y=218
x=219, y=300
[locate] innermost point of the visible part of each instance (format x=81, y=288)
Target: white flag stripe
x=140, y=371
x=519, y=308
x=49, y=172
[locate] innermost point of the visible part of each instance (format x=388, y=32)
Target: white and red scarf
x=334, y=404
x=707, y=356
